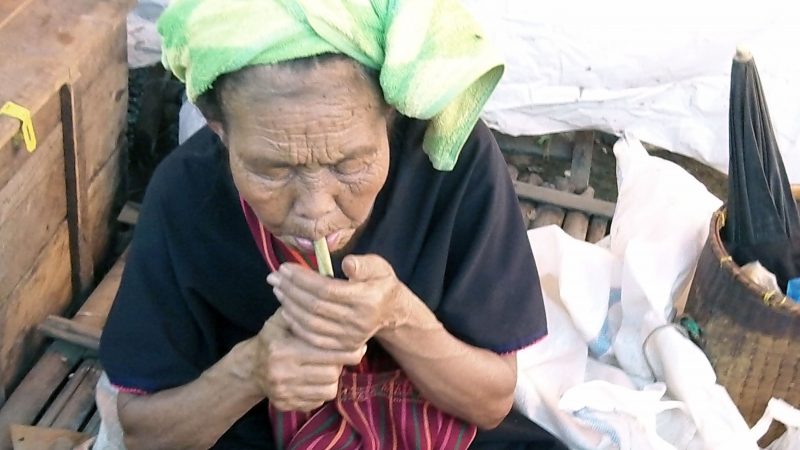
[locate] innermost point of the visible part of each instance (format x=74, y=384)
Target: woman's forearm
x=472, y=383
x=195, y=415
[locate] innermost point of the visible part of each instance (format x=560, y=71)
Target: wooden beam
x=556, y=146
x=576, y=223
x=71, y=331
x=598, y=228
x=30, y=397
x=582, y=160
x=94, y=312
x=81, y=404
x=564, y=200
x=77, y=189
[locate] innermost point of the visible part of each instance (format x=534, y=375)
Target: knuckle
x=331, y=391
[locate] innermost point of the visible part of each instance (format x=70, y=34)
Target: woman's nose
x=315, y=200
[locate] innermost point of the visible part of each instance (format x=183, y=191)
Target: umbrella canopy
x=763, y=221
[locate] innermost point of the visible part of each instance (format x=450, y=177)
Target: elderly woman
x=353, y=122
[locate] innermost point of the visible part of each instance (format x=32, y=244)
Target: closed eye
x=351, y=166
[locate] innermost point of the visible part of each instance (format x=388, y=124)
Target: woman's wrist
x=238, y=368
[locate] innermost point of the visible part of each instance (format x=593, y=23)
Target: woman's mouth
x=306, y=245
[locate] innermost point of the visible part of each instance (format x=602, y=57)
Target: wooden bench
x=571, y=204
x=58, y=392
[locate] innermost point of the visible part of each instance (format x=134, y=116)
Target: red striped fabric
x=376, y=407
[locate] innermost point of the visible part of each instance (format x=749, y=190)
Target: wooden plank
x=598, y=228
x=548, y=215
x=31, y=396
x=45, y=289
x=93, y=425
x=528, y=210
x=13, y=154
x=564, y=199
x=102, y=192
x=81, y=404
x=555, y=146
x=32, y=205
x=102, y=93
x=73, y=332
x=77, y=193
x=94, y=311
x=581, y=160
x=576, y=223
x=64, y=395
x=40, y=438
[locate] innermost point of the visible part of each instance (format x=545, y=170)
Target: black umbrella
x=763, y=222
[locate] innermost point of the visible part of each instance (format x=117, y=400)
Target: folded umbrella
x=763, y=223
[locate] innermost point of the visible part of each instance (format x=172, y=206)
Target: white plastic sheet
x=657, y=70
x=613, y=374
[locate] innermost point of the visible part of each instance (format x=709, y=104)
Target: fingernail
x=274, y=279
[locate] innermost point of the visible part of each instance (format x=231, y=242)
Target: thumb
x=366, y=267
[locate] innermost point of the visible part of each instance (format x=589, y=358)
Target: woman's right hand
x=294, y=375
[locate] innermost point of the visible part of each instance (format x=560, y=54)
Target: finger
x=339, y=291
x=366, y=267
x=300, y=298
x=321, y=333
x=322, y=374
x=312, y=356
x=296, y=396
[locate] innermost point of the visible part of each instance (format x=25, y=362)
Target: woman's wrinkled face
x=309, y=150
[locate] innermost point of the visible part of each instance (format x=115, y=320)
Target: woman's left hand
x=342, y=314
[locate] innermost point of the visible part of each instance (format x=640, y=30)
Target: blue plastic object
x=793, y=289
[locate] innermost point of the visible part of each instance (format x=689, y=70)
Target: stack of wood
x=64, y=65
x=567, y=202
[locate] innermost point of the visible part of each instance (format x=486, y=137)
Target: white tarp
x=657, y=70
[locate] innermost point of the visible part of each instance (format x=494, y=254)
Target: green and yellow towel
x=434, y=61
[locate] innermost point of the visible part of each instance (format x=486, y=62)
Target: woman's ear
x=218, y=129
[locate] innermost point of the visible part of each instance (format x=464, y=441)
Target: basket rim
x=770, y=298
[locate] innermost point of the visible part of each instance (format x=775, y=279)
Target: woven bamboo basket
x=751, y=334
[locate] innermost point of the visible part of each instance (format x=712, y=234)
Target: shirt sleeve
x=492, y=295
x=153, y=339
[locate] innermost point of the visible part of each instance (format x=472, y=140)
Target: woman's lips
x=307, y=245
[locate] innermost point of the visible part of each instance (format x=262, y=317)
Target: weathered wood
x=100, y=226
x=528, y=211
x=73, y=332
x=548, y=215
x=102, y=89
x=41, y=438
x=44, y=290
x=80, y=404
x=513, y=172
x=94, y=312
x=598, y=228
x=93, y=425
x=77, y=192
x=576, y=223
x=31, y=396
x=581, y=160
x=64, y=395
x=564, y=199
x=13, y=154
x=556, y=146
x=32, y=205
x=130, y=212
